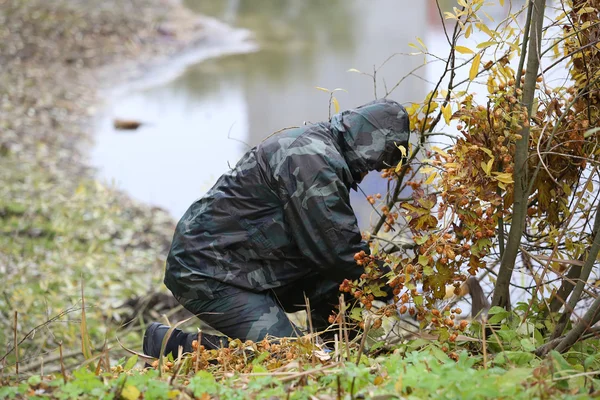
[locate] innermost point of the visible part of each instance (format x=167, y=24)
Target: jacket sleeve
x=318, y=211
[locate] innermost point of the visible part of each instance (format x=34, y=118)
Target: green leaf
x=356, y=314
x=560, y=362
x=131, y=362
x=418, y=300
x=519, y=358
x=589, y=361
x=497, y=318
x=203, y=382
x=527, y=345
x=421, y=239
x=496, y=310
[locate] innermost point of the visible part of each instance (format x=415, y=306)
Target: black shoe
x=153, y=339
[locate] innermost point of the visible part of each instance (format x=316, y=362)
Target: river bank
x=61, y=231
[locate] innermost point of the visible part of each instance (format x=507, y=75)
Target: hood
x=371, y=135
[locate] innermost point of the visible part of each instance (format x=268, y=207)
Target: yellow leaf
x=463, y=50
x=336, y=105
x=447, y=112
x=130, y=392
x=483, y=27
x=587, y=10
x=468, y=31
x=449, y=15
x=491, y=87
x=556, y=49
x=489, y=166
x=502, y=3
x=475, y=67
x=504, y=177
x=483, y=45
x=488, y=16
x=402, y=150
x=399, y=166
x=487, y=151
x=439, y=151
x=431, y=178
x=433, y=106
x=322, y=88
x=514, y=46
x=421, y=42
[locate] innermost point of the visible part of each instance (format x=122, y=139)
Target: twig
x=344, y=327
x=62, y=364
x=304, y=373
x=362, y=340
x=484, y=343
x=310, y=327
x=198, y=351
x=16, y=345
x=36, y=328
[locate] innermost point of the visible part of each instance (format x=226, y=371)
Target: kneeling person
x=278, y=227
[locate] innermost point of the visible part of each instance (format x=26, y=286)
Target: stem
x=524, y=46
x=62, y=363
x=362, y=340
x=397, y=190
x=501, y=295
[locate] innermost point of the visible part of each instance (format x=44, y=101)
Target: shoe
x=154, y=335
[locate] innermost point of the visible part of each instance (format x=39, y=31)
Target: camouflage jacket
x=284, y=211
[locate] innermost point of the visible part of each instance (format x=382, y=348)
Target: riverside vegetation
x=515, y=191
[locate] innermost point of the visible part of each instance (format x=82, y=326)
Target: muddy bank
x=60, y=230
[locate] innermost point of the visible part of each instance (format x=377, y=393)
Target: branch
x=585, y=274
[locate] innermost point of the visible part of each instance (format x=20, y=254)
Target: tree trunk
x=501, y=295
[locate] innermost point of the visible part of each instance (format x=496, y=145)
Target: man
x=278, y=227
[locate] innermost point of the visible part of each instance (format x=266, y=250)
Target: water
x=203, y=120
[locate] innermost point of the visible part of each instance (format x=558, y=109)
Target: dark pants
x=250, y=315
